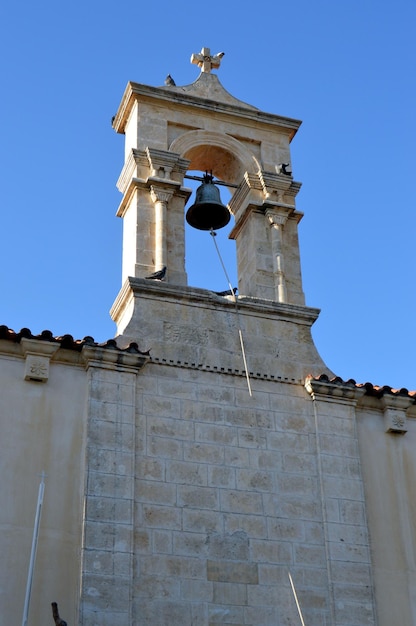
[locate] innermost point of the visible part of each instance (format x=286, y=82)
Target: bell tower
x=172, y=129
x=169, y=131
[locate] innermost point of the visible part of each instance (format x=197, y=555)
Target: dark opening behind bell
x=208, y=212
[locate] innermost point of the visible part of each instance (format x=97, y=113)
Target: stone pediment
x=208, y=87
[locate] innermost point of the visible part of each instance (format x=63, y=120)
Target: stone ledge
x=135, y=287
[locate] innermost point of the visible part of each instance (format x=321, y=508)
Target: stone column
x=160, y=197
x=277, y=220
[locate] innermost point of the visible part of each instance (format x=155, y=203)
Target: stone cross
x=205, y=61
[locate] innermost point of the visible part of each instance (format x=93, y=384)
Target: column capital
x=160, y=193
x=276, y=215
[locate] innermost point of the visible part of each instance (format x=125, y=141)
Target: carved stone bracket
x=394, y=409
x=38, y=355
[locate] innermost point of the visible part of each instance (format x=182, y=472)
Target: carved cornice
x=161, y=162
x=334, y=390
x=139, y=183
x=260, y=192
x=394, y=403
x=142, y=288
x=150, y=163
x=130, y=170
x=103, y=358
x=277, y=186
x=136, y=92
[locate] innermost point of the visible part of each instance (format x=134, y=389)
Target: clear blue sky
x=347, y=69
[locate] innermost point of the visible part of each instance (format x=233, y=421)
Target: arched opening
x=227, y=159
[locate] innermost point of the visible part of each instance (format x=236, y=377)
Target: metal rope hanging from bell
x=208, y=212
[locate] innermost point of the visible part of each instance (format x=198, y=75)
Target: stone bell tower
x=225, y=489
x=170, y=130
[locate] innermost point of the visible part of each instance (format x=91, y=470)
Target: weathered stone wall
x=41, y=429
x=389, y=470
x=227, y=501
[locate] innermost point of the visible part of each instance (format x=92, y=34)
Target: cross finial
x=206, y=61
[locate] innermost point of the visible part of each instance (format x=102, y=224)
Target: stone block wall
x=230, y=496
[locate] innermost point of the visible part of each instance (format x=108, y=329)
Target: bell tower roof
x=206, y=88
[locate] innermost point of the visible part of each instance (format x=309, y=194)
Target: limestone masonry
x=183, y=489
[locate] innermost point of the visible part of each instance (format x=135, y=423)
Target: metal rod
x=240, y=332
x=216, y=182
x=296, y=599
x=34, y=549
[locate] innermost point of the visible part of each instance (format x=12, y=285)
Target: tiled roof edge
x=67, y=342
x=370, y=389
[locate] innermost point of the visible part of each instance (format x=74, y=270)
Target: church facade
x=205, y=466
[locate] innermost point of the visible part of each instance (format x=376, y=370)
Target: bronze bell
x=208, y=212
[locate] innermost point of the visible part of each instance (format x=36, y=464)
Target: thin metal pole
x=296, y=599
x=240, y=332
x=34, y=548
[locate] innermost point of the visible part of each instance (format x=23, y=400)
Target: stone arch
x=226, y=157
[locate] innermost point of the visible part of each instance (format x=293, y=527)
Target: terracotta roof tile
x=370, y=389
x=66, y=342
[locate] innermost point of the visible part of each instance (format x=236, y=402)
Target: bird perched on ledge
x=283, y=169
x=227, y=292
x=169, y=82
x=160, y=275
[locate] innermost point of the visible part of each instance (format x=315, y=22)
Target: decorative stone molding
x=277, y=186
x=394, y=409
x=334, y=390
x=277, y=216
x=160, y=194
x=161, y=162
x=97, y=356
x=142, y=165
x=259, y=190
x=38, y=355
x=135, y=164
